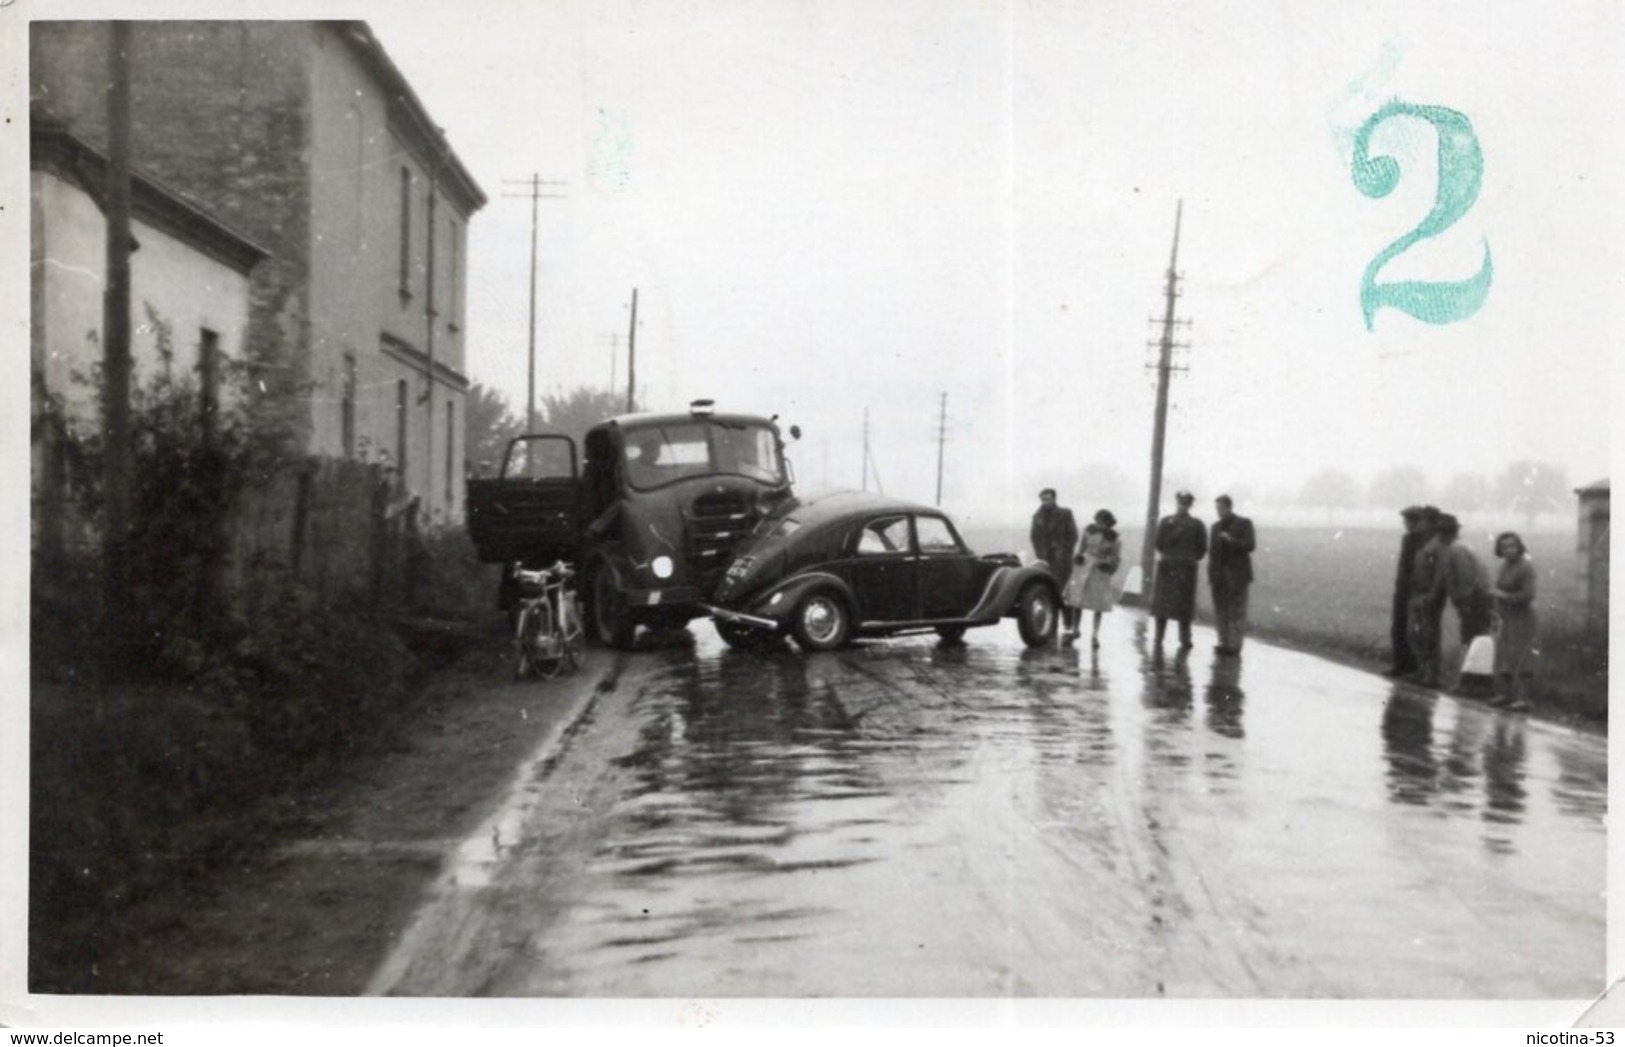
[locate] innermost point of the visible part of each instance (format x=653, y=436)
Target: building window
x=451, y=449
x=402, y=400
x=406, y=234
x=456, y=259
x=347, y=407
x=208, y=368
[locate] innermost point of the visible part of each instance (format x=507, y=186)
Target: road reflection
x=770, y=798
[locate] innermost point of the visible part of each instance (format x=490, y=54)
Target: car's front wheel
x=1035, y=614
x=822, y=622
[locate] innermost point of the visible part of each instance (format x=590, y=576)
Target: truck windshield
x=661, y=454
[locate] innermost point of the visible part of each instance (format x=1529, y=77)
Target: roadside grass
x=1330, y=590
x=140, y=786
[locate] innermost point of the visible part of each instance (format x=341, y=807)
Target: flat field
x=1330, y=590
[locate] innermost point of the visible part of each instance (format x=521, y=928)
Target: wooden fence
x=325, y=527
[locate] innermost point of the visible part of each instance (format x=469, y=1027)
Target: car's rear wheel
x=738, y=634
x=951, y=633
x=822, y=622
x=1035, y=614
x=612, y=623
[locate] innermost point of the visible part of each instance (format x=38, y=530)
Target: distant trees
x=1530, y=488
x=491, y=424
x=1330, y=489
x=1466, y=493
x=1396, y=487
x=578, y=410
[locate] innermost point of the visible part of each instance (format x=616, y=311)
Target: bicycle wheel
x=572, y=638
x=524, y=640
x=546, y=654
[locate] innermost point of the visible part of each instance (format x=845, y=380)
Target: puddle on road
x=784, y=809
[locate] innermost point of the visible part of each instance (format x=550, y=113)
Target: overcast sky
x=828, y=206
x=831, y=205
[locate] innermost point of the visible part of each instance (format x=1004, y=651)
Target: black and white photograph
x=911, y=512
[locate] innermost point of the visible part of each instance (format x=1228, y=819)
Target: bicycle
x=547, y=631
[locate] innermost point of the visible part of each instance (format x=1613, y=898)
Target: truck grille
x=716, y=523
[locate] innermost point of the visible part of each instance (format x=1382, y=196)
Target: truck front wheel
x=611, y=617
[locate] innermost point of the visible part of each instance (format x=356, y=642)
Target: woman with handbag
x=1090, y=587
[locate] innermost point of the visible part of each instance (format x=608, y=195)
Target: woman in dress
x=1514, y=594
x=1090, y=587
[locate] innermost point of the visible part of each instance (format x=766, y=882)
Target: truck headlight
x=661, y=566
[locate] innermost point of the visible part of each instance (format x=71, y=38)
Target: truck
x=649, y=513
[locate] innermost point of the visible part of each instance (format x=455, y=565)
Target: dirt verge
x=312, y=905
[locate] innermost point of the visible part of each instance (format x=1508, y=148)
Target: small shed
x=1593, y=548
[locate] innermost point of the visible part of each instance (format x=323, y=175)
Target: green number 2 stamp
x=1461, y=170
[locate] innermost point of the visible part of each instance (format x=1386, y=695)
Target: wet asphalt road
x=907, y=819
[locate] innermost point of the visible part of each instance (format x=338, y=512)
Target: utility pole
x=632, y=356
x=535, y=191
x=1164, y=367
x=865, y=449
x=614, y=358
x=869, y=458
x=942, y=437
x=116, y=610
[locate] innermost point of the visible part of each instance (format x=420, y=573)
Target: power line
x=535, y=192
x=942, y=439
x=1164, y=367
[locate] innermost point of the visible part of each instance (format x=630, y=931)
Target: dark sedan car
x=828, y=569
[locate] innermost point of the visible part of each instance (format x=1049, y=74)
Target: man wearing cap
x=1426, y=612
x=1461, y=577
x=1054, y=535
x=1399, y=631
x=1181, y=544
x=1229, y=573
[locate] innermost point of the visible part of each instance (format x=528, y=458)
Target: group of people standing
x=1182, y=541
x=1435, y=569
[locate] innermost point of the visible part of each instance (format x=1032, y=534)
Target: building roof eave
x=52, y=147
x=409, y=114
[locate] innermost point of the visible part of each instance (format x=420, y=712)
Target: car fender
x=1004, y=586
x=790, y=591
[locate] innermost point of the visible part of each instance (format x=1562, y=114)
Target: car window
x=936, y=536
x=889, y=535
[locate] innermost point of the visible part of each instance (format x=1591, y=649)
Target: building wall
x=1594, y=550
x=369, y=319
x=278, y=129
x=218, y=114
x=184, y=289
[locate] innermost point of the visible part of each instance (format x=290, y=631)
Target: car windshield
x=661, y=454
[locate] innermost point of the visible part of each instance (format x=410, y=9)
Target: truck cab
x=652, y=519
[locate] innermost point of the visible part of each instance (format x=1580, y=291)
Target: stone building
x=189, y=295
x=189, y=276
x=306, y=138
x=1593, y=546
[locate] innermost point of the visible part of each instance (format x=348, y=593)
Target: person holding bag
x=1090, y=587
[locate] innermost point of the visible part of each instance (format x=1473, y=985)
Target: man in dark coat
x=1462, y=578
x=1230, y=573
x=1054, y=535
x=1181, y=544
x=1426, y=613
x=1399, y=628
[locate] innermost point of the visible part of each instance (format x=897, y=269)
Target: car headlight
x=661, y=566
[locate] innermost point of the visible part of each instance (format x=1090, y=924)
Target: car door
x=880, y=569
x=949, y=576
